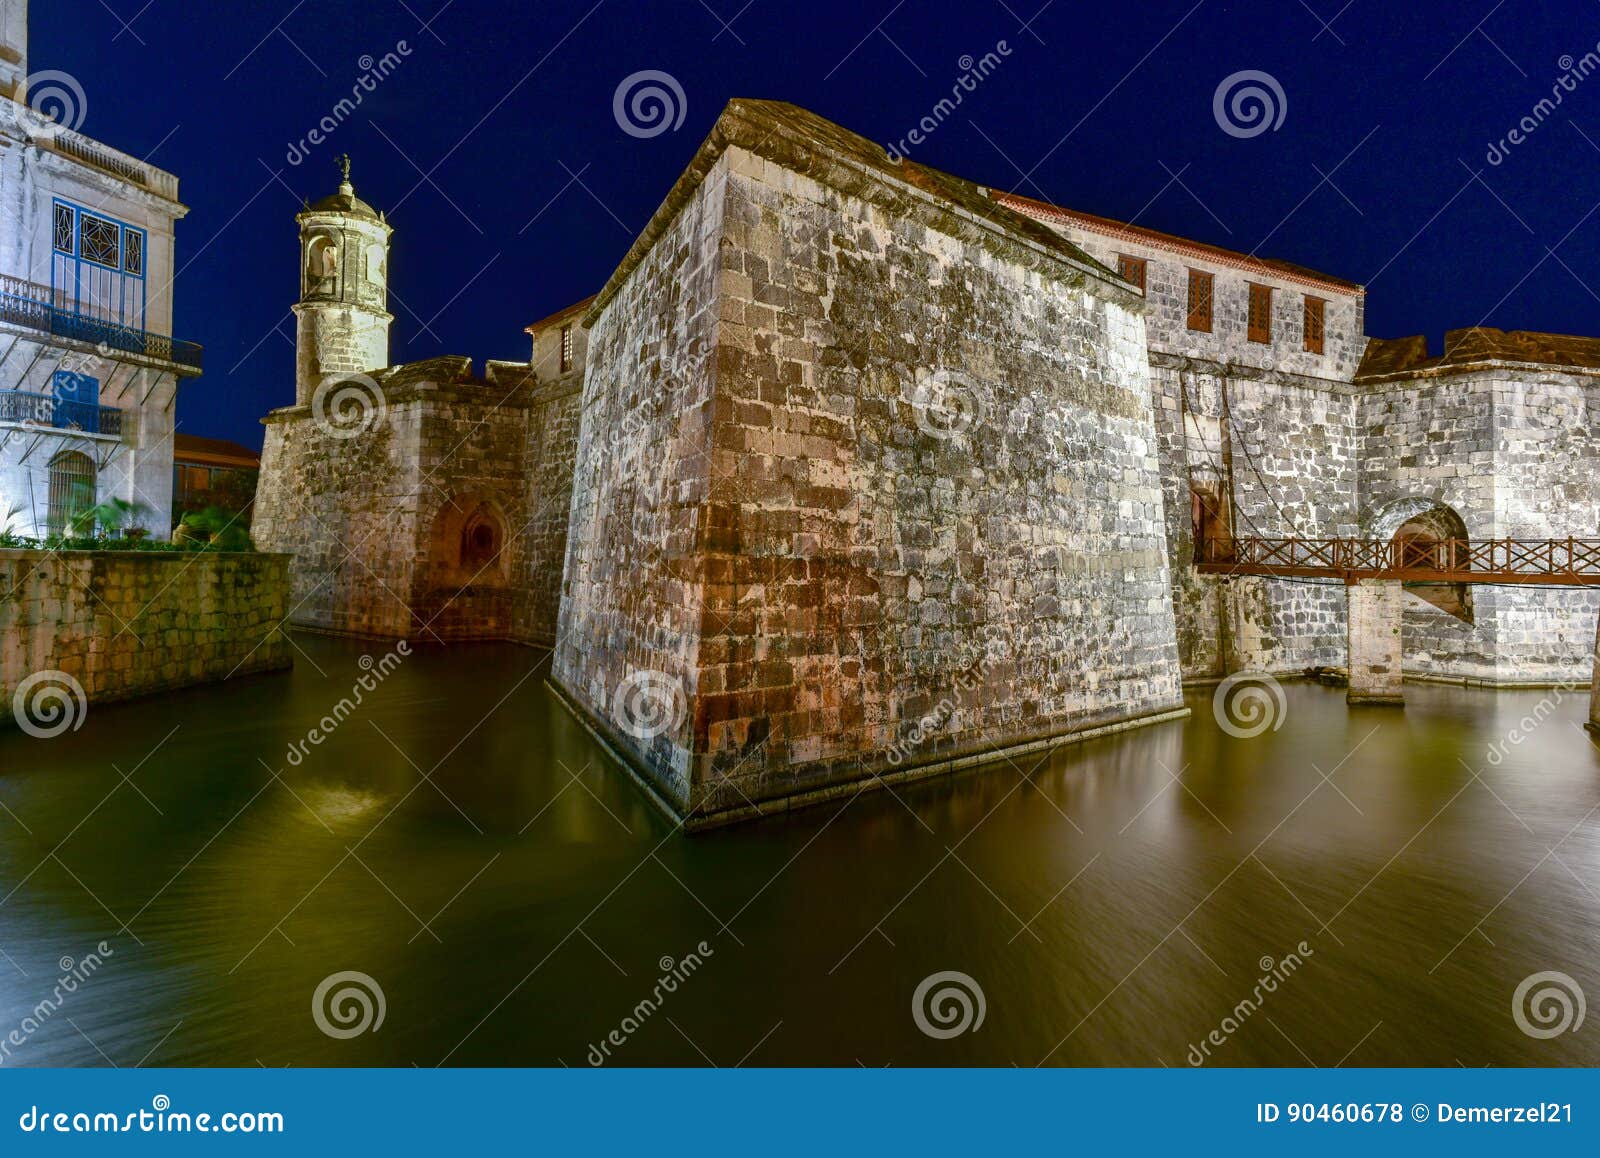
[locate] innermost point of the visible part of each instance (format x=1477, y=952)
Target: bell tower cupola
x=342, y=315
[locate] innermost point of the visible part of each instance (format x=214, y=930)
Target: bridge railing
x=1549, y=561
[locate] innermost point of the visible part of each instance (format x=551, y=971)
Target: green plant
x=213, y=528
x=111, y=515
x=10, y=537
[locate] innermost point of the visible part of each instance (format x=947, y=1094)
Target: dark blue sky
x=533, y=192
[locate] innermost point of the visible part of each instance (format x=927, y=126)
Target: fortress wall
x=346, y=509
x=869, y=484
x=1435, y=440
x=365, y=508
x=1503, y=448
x=1292, y=447
x=943, y=502
x=630, y=624
x=1294, y=470
x=1547, y=444
x=1167, y=311
x=551, y=453
x=1188, y=452
x=1291, y=411
x=469, y=459
x=929, y=524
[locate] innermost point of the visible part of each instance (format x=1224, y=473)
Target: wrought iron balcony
x=47, y=411
x=24, y=303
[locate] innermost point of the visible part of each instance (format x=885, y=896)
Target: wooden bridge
x=1551, y=562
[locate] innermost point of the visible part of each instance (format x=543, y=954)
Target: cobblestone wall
x=631, y=612
x=906, y=505
x=1510, y=451
x=552, y=432
x=346, y=508
x=124, y=623
x=375, y=511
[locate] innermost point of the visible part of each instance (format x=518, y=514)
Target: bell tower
x=342, y=316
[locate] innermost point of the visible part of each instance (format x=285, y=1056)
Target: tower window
x=1132, y=269
x=1259, y=324
x=1315, y=310
x=566, y=348
x=1200, y=301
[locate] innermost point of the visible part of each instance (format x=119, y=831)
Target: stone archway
x=468, y=545
x=466, y=591
x=1424, y=530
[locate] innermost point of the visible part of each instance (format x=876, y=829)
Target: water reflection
x=462, y=840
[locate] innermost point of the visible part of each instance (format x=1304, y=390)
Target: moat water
x=1360, y=886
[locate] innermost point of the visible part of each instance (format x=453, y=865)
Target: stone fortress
x=856, y=471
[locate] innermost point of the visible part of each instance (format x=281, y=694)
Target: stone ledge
x=692, y=822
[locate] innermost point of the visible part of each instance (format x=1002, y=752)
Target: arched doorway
x=466, y=591
x=482, y=542
x=72, y=490
x=1426, y=533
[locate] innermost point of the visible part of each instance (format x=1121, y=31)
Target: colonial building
x=89, y=372
x=211, y=472
x=855, y=470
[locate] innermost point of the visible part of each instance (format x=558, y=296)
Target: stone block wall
x=1289, y=445
x=920, y=516
x=1510, y=450
x=1286, y=438
x=127, y=623
x=375, y=511
x=1374, y=645
x=347, y=509
x=554, y=419
x=632, y=604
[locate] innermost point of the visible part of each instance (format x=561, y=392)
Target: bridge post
x=1373, y=641
x=1594, y=688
